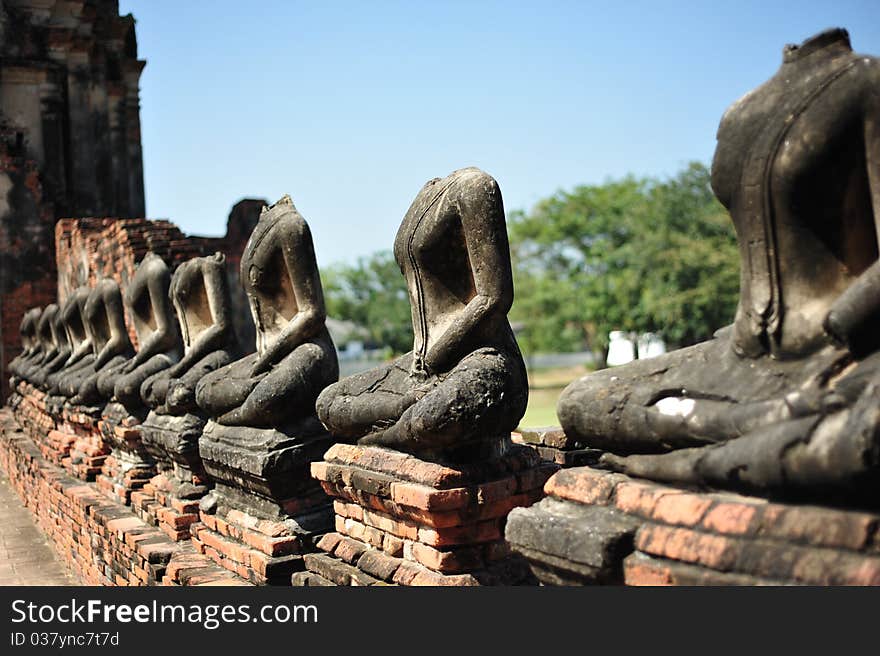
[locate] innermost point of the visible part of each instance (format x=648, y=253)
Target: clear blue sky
x=351, y=106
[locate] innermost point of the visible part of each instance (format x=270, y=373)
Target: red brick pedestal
x=401, y=520
x=171, y=499
x=66, y=434
x=77, y=430
x=265, y=510
x=261, y=551
x=38, y=415
x=87, y=456
x=157, y=504
x=600, y=527
x=128, y=467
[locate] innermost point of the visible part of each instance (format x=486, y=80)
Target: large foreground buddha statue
x=461, y=390
x=786, y=399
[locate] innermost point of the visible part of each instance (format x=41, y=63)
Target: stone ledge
x=686, y=537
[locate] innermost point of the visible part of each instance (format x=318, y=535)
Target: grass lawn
x=545, y=386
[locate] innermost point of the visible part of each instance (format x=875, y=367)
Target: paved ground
x=26, y=558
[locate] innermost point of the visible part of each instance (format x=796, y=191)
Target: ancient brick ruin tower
x=70, y=142
x=70, y=146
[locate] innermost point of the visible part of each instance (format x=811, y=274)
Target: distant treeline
x=637, y=254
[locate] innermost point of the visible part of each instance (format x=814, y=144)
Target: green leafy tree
x=371, y=293
x=634, y=254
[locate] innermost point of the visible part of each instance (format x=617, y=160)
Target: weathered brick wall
x=27, y=265
x=91, y=248
x=99, y=539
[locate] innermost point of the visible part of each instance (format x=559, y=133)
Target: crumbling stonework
x=27, y=264
x=70, y=142
x=69, y=75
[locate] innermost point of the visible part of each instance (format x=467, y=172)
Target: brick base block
x=128, y=467
x=100, y=540
x=32, y=408
x=87, y=455
x=66, y=435
x=601, y=527
x=401, y=520
x=553, y=445
x=157, y=505
x=262, y=551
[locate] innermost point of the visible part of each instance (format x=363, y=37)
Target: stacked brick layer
x=129, y=467
x=262, y=551
x=30, y=407
x=157, y=504
x=601, y=527
x=66, y=435
x=265, y=511
x=401, y=520
x=101, y=541
x=553, y=445
x=171, y=498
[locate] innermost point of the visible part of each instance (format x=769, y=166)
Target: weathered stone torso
x=790, y=167
x=432, y=252
x=265, y=277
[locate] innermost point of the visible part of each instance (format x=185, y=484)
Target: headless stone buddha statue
x=44, y=345
x=159, y=344
x=463, y=387
x=200, y=295
x=30, y=344
x=784, y=400
x=48, y=349
x=276, y=387
x=60, y=350
x=65, y=310
x=67, y=379
x=105, y=322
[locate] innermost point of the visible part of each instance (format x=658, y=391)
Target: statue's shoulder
x=868, y=72
x=474, y=177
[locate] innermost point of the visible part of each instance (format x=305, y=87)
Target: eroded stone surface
x=104, y=319
x=67, y=379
